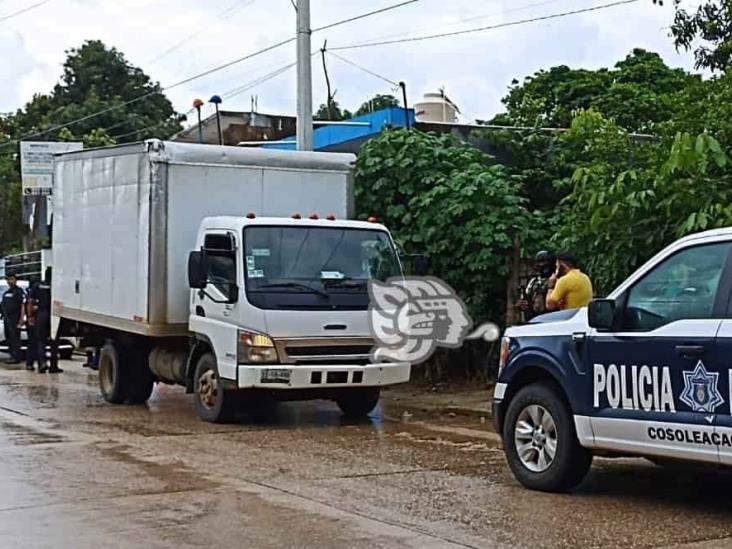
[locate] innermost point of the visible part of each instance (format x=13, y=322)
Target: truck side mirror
x=420, y=264
x=197, y=270
x=601, y=314
x=233, y=293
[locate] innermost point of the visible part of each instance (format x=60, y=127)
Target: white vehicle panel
x=643, y=438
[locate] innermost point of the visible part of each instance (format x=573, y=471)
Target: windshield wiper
x=345, y=282
x=303, y=287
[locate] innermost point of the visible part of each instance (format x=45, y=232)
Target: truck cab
x=644, y=372
x=279, y=305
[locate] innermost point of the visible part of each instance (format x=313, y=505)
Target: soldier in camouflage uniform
x=532, y=301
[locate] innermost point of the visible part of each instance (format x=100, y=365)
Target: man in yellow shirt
x=569, y=288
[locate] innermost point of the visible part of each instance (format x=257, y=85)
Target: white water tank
x=436, y=107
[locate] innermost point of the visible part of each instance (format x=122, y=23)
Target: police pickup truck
x=645, y=372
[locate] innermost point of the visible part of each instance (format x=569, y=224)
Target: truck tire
x=140, y=384
x=213, y=404
x=111, y=377
x=358, y=402
x=540, y=441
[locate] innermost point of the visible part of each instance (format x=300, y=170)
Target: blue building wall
x=341, y=137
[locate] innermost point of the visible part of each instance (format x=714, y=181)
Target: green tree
x=376, y=103
x=638, y=93
x=98, y=138
x=96, y=78
x=335, y=113
x=628, y=199
x=707, y=31
x=445, y=199
x=11, y=226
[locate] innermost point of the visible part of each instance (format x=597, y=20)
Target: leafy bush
x=444, y=198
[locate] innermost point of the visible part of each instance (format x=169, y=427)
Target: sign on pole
x=36, y=164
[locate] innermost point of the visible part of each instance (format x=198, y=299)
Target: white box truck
x=231, y=271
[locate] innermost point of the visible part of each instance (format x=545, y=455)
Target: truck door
x=723, y=417
x=216, y=309
x=656, y=380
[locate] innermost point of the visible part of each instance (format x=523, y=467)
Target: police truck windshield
x=316, y=260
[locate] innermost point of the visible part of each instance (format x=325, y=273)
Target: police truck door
x=656, y=378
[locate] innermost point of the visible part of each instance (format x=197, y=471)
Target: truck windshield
x=317, y=260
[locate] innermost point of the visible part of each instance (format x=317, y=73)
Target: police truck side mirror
x=601, y=314
x=197, y=270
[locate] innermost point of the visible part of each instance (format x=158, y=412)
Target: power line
x=204, y=73
x=364, y=69
x=467, y=19
x=363, y=15
x=20, y=12
x=236, y=5
x=489, y=27
x=258, y=81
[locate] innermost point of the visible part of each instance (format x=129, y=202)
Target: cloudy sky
x=174, y=39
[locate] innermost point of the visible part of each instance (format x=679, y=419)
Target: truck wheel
x=541, y=443
x=140, y=384
x=358, y=402
x=139, y=380
x=213, y=403
x=111, y=379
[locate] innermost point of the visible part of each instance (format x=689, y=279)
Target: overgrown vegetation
x=95, y=79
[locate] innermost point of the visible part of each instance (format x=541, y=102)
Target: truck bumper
x=313, y=376
x=498, y=407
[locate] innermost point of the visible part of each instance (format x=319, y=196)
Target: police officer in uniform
x=11, y=310
x=38, y=311
x=532, y=301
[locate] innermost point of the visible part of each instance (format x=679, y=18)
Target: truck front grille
x=324, y=351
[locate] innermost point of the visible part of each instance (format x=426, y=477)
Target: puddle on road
x=20, y=435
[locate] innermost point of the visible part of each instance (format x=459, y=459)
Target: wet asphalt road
x=76, y=472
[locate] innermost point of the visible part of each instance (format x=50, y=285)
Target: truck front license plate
x=276, y=375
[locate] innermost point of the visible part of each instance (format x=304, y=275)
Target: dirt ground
x=77, y=472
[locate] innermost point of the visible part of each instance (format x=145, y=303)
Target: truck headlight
x=504, y=352
x=254, y=348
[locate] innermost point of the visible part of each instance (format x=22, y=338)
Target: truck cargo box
x=125, y=218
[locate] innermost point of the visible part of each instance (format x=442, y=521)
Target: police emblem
x=700, y=389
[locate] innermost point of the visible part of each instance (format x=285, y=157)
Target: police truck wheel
x=111, y=378
x=213, y=403
x=541, y=442
x=358, y=402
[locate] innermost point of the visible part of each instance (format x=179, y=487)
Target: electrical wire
x=202, y=74
x=258, y=81
x=485, y=28
x=363, y=15
x=20, y=12
x=190, y=37
x=467, y=19
x=364, y=69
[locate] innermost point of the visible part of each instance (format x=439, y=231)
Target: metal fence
x=25, y=266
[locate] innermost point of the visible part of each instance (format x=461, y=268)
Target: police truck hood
x=555, y=323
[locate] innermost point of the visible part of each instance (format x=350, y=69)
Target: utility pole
x=304, y=78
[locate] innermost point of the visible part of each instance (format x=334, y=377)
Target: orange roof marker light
x=251, y=215
x=296, y=216
x=371, y=219
x=331, y=217
x=314, y=216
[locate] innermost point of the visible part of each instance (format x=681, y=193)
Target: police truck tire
x=111, y=377
x=359, y=402
x=213, y=403
x=541, y=443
